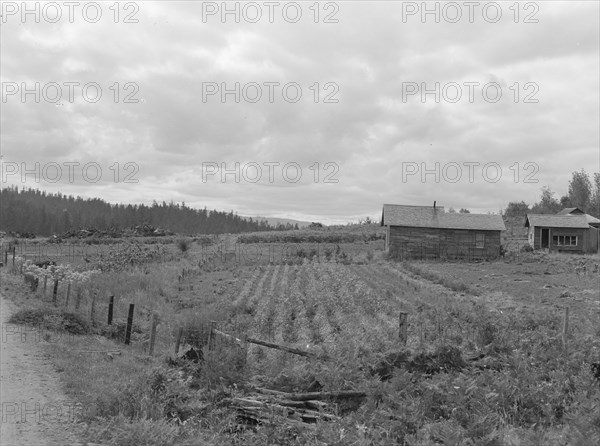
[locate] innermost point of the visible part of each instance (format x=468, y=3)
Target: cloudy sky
x=309, y=110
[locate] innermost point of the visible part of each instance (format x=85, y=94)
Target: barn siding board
x=413, y=242
x=593, y=244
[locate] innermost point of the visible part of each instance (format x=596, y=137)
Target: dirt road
x=34, y=410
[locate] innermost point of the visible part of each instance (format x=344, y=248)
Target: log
x=325, y=395
x=225, y=335
x=295, y=351
x=313, y=395
x=272, y=419
x=307, y=405
x=254, y=407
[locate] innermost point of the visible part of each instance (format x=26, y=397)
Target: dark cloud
x=369, y=130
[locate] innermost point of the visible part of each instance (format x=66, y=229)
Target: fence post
x=129, y=325
x=93, y=306
x=111, y=304
x=178, y=340
x=68, y=294
x=55, y=291
x=45, y=285
x=78, y=297
x=211, y=336
x=153, y=333
x=403, y=327
x=565, y=327
x=6, y=257
x=14, y=254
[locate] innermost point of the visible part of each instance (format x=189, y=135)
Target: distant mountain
x=274, y=221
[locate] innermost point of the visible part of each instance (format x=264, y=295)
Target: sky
x=317, y=111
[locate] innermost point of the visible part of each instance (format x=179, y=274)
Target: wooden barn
x=566, y=231
x=428, y=232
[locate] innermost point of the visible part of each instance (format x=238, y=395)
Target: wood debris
x=267, y=406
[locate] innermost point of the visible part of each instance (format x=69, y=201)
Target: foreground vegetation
x=477, y=369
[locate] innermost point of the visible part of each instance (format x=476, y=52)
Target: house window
x=565, y=240
x=479, y=240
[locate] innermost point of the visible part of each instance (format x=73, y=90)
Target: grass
x=452, y=284
x=52, y=319
x=526, y=389
x=183, y=244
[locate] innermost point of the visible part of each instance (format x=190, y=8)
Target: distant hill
x=275, y=221
x=34, y=211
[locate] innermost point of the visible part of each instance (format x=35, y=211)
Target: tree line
x=582, y=193
x=38, y=212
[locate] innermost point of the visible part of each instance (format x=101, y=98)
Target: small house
x=430, y=232
x=570, y=230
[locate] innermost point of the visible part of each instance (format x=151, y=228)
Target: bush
x=118, y=330
x=183, y=244
x=52, y=319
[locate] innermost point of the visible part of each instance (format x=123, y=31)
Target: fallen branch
x=295, y=351
x=225, y=335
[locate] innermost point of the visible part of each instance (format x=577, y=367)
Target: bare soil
x=35, y=411
x=533, y=281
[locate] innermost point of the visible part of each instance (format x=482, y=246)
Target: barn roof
x=558, y=221
x=570, y=211
x=428, y=217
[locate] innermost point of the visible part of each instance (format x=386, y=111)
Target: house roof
x=591, y=219
x=428, y=217
x=557, y=221
x=576, y=212
x=570, y=211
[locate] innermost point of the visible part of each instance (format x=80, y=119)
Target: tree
x=580, y=191
x=46, y=213
x=516, y=209
x=565, y=202
x=595, y=201
x=548, y=204
x=451, y=211
x=464, y=211
x=66, y=220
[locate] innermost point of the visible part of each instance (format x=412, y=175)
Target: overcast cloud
x=365, y=117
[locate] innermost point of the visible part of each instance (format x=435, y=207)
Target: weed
x=52, y=319
x=183, y=244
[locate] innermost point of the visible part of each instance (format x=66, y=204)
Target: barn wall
x=531, y=236
x=582, y=239
x=410, y=242
x=592, y=240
